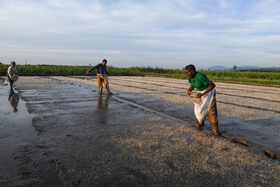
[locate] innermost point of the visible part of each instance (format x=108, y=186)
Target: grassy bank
x=258, y=77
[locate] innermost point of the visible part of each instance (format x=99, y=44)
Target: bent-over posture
x=102, y=76
x=207, y=93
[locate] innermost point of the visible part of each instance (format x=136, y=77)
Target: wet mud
x=22, y=161
x=247, y=114
x=143, y=135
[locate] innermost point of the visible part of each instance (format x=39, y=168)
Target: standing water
x=22, y=162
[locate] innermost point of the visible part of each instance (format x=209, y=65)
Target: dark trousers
x=10, y=81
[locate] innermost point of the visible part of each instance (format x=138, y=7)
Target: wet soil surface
x=63, y=133
x=22, y=161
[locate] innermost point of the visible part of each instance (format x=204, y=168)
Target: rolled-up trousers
x=103, y=79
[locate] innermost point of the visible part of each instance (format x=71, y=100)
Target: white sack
x=15, y=77
x=201, y=109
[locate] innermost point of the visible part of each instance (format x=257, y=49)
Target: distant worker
x=102, y=76
x=207, y=93
x=12, y=74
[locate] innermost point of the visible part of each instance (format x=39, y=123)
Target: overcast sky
x=155, y=33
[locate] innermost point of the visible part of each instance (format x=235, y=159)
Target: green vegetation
x=265, y=77
x=45, y=70
x=257, y=77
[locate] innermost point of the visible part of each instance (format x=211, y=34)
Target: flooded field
x=58, y=131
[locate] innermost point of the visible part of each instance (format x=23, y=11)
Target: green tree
x=234, y=67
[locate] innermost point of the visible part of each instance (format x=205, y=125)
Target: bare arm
x=210, y=87
x=91, y=69
x=188, y=92
x=10, y=72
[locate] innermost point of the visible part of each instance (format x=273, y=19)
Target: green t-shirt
x=201, y=81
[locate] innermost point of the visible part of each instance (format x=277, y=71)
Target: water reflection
x=101, y=112
x=13, y=99
x=103, y=103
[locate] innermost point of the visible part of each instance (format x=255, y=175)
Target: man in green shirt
x=207, y=92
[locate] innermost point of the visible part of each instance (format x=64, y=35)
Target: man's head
x=190, y=71
x=13, y=63
x=104, y=62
